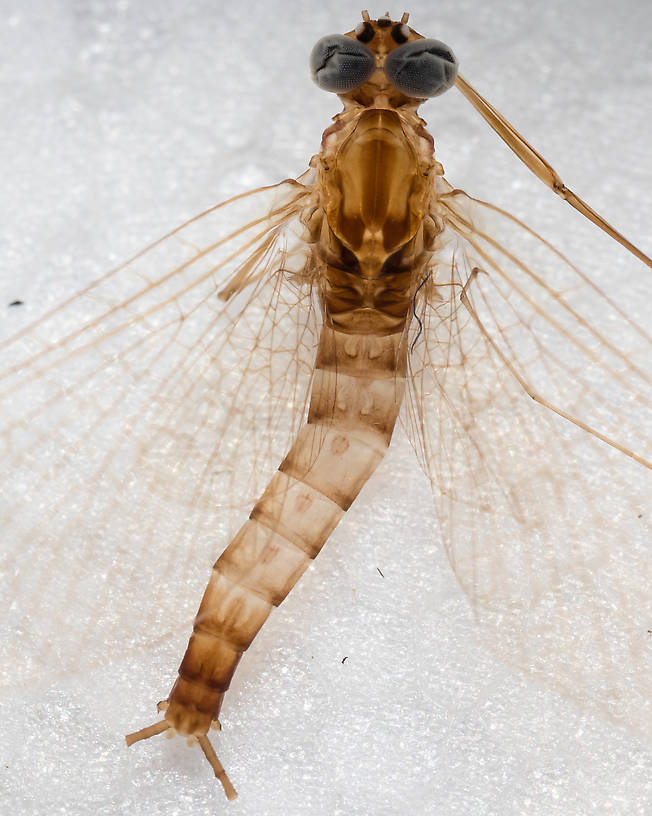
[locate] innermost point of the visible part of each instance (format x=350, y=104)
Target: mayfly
x=277, y=338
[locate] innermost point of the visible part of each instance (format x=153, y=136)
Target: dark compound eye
x=422, y=69
x=339, y=64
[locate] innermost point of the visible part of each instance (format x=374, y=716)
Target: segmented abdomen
x=356, y=395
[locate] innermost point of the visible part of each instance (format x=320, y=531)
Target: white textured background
x=120, y=120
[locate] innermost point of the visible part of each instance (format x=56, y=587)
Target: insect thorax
x=376, y=177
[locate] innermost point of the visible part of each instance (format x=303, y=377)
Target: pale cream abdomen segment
x=356, y=396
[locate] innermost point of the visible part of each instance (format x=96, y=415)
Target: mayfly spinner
x=296, y=324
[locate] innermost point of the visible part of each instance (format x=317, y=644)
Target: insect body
x=372, y=226
x=397, y=301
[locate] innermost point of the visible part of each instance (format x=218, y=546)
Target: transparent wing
x=148, y=410
x=530, y=409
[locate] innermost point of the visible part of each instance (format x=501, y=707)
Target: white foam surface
x=121, y=120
